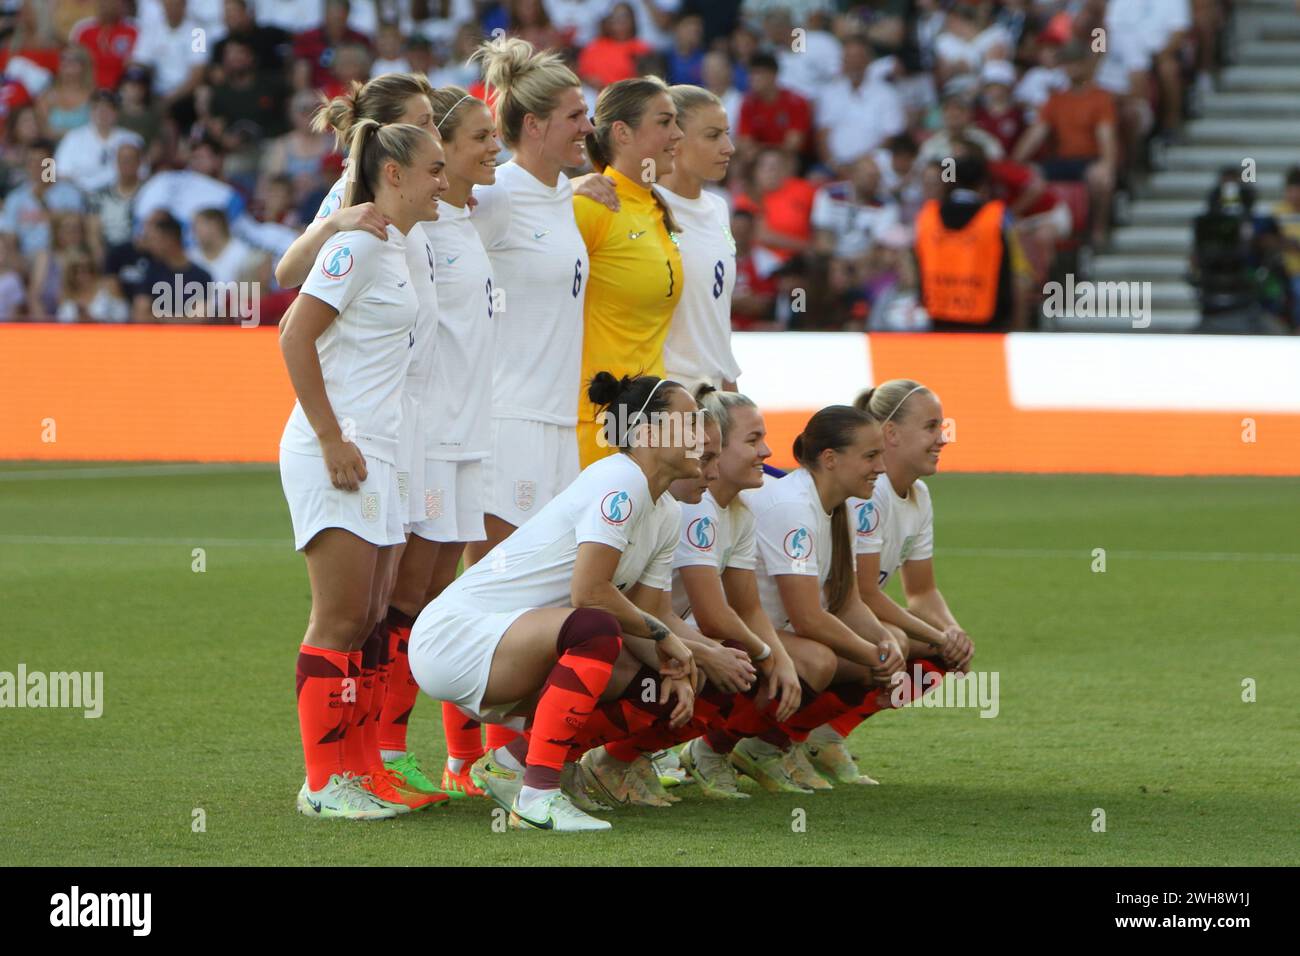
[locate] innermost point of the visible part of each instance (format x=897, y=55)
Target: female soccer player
x=537, y=628
x=347, y=344
x=807, y=586
x=698, y=348
x=636, y=267
x=894, y=529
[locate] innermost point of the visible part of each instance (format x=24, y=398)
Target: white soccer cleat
x=556, y=813
x=618, y=784
x=343, y=798
x=830, y=756
x=668, y=765
x=500, y=783
x=582, y=793
x=802, y=772
x=712, y=771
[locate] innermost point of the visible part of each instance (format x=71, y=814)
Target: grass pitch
x=1120, y=691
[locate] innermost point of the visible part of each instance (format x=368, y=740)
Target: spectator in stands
x=770, y=115
x=318, y=46
x=351, y=65
x=183, y=192
x=969, y=261
x=578, y=21
x=110, y=39
x=277, y=202
x=1287, y=214
x=782, y=204
x=87, y=155
x=958, y=123
x=850, y=215
x=136, y=109
x=300, y=153
x=686, y=55
x=613, y=55
x=246, y=97
x=86, y=297
x=529, y=19
x=111, y=208
x=24, y=129
x=13, y=293
x=900, y=174
x=720, y=17
x=969, y=38
x=168, y=49
x=271, y=45
x=893, y=290
x=1041, y=80
x=718, y=77
x=810, y=59
x=855, y=114
x=28, y=208
x=66, y=104
x=457, y=70
x=226, y=258
x=1080, y=125
x=168, y=263
x=388, y=51
x=753, y=299
x=48, y=266
x=998, y=115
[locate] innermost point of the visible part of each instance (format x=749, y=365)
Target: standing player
x=807, y=586
x=894, y=529
x=347, y=344
x=454, y=400
x=537, y=629
x=698, y=348
x=636, y=268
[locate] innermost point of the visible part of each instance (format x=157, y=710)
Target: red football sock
x=588, y=644
x=881, y=698
x=321, y=713
x=464, y=740
x=833, y=702
x=402, y=688
x=499, y=736
x=354, y=741
x=380, y=695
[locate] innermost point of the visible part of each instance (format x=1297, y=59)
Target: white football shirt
x=793, y=536
x=458, y=400
x=540, y=266
x=712, y=537
x=609, y=502
x=897, y=529
x=699, y=339
x=366, y=349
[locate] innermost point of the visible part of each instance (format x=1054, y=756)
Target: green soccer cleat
x=765, y=765
x=415, y=777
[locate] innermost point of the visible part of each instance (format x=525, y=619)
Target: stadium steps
x=1253, y=114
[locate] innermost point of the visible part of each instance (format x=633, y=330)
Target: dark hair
x=167, y=224
x=620, y=399
x=370, y=146
x=833, y=427
x=902, y=143
x=1293, y=176
x=970, y=172
x=764, y=61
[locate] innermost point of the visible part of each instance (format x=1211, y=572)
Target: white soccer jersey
x=609, y=502
x=712, y=537
x=333, y=200
x=365, y=351
x=897, y=529
x=458, y=401
x=793, y=536
x=540, y=264
x=699, y=338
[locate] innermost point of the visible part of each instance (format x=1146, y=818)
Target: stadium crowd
x=145, y=139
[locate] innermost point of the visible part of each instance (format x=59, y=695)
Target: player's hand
x=957, y=649
x=887, y=660
x=597, y=187
x=675, y=658
x=683, y=691
x=344, y=463
x=730, y=669
x=782, y=685
x=363, y=216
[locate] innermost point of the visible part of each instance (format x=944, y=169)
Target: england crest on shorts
x=525, y=494
x=433, y=503
x=370, y=505
x=403, y=485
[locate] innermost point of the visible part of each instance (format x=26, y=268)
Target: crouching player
x=553, y=617
x=894, y=530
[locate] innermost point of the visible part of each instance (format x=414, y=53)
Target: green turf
x=1119, y=690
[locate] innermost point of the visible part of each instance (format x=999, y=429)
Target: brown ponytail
x=370, y=146
x=834, y=427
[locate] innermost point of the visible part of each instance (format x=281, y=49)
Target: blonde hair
x=522, y=80
x=687, y=98
x=383, y=100
x=720, y=405
x=371, y=145
x=450, y=104
x=888, y=401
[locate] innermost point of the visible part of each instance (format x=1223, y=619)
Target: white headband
x=633, y=422
x=900, y=403
x=438, y=126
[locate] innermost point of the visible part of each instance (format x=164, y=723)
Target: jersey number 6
x=577, y=277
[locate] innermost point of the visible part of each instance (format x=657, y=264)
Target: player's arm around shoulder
x=594, y=221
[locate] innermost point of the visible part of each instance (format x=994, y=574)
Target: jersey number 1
x=671, y=279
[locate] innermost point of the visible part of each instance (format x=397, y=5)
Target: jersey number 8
x=719, y=275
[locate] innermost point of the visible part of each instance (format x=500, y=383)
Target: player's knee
x=819, y=666
x=342, y=630
x=597, y=632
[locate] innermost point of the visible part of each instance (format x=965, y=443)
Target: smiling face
x=915, y=439
x=706, y=148
x=691, y=490
x=563, y=133
x=420, y=184
x=472, y=149
x=856, y=466
x=741, y=461
x=672, y=432
x=655, y=138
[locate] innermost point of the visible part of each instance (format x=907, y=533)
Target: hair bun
x=701, y=391
x=798, y=447
x=604, y=388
